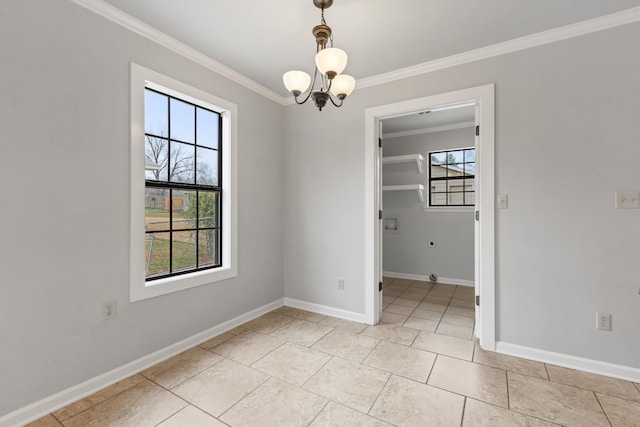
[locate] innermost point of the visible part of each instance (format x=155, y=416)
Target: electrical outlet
x=340, y=284
x=431, y=243
x=603, y=321
x=109, y=310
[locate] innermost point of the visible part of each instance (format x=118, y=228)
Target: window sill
x=447, y=209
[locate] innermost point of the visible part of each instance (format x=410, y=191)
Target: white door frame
x=485, y=228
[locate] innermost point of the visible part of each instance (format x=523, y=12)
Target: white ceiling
x=262, y=39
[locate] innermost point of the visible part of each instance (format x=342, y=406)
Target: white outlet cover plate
x=627, y=200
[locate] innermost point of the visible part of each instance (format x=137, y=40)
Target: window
x=452, y=177
x=183, y=186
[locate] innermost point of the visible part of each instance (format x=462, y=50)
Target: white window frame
x=139, y=288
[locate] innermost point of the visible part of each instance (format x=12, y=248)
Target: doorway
x=484, y=269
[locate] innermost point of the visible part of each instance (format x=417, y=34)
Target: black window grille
x=183, y=186
x=452, y=179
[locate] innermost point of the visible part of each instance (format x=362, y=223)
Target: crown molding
x=461, y=125
x=605, y=22
x=119, y=17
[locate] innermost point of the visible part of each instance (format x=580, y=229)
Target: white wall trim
x=423, y=278
x=114, y=14
x=622, y=372
x=433, y=129
x=605, y=22
x=326, y=310
x=59, y=400
x=577, y=29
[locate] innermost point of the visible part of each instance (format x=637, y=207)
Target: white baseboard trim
x=326, y=310
x=573, y=362
x=447, y=280
x=59, y=400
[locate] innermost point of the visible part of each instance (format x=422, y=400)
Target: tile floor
x=419, y=367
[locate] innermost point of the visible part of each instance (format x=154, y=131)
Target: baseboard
x=573, y=362
x=447, y=280
x=326, y=310
x=59, y=400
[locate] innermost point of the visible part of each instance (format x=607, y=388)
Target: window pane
x=438, y=171
x=455, y=156
x=207, y=243
x=155, y=158
x=456, y=198
x=207, y=128
x=183, y=205
x=156, y=113
x=456, y=169
x=208, y=208
x=469, y=185
x=156, y=212
x=182, y=162
x=454, y=185
x=182, y=121
x=184, y=251
x=470, y=169
x=470, y=155
x=439, y=186
x=438, y=158
x=207, y=167
x=470, y=199
x=439, y=199
x=156, y=257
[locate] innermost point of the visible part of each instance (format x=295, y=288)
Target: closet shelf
x=415, y=187
x=405, y=159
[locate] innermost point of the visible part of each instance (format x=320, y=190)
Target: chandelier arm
x=310, y=89
x=334, y=102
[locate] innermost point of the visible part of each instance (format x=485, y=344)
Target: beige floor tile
x=220, y=387
x=464, y=332
x=302, y=332
x=621, y=412
x=396, y=287
x=470, y=379
x=402, y=282
x=421, y=324
x=390, y=292
x=347, y=345
x=456, y=319
x=406, y=302
x=437, y=299
x=401, y=360
x=599, y=383
x=392, y=318
x=191, y=417
x=411, y=295
x=422, y=285
x=554, y=402
x=443, y=344
x=292, y=363
x=388, y=299
x=426, y=305
x=393, y=333
x=181, y=367
x=399, y=309
x=412, y=290
x=100, y=396
x=407, y=403
x=288, y=405
x=145, y=404
x=46, y=421
x=248, y=347
x=267, y=323
x=435, y=292
x=461, y=311
x=217, y=340
x=334, y=415
x=387, y=280
x=347, y=325
x=307, y=315
x=509, y=363
x=427, y=314
x=349, y=383
x=465, y=303
x=480, y=414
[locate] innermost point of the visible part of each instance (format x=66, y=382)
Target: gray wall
x=64, y=216
x=564, y=112
x=406, y=251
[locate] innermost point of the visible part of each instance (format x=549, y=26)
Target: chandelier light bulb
x=331, y=61
x=343, y=85
x=296, y=82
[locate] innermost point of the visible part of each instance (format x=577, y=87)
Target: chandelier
x=330, y=62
